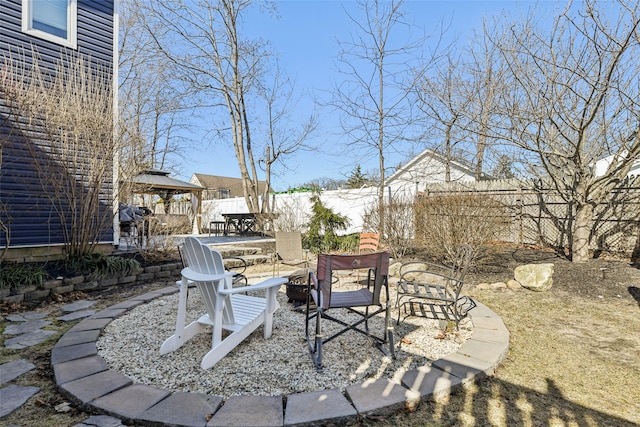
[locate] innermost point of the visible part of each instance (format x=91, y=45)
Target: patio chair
x=289, y=251
x=321, y=293
x=234, y=264
x=368, y=243
x=227, y=308
x=433, y=291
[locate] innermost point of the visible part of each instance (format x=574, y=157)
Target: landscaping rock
x=514, y=284
x=394, y=269
x=536, y=277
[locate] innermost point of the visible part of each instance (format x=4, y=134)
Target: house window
x=224, y=193
x=53, y=20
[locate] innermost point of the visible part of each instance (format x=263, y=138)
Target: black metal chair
x=433, y=291
x=321, y=293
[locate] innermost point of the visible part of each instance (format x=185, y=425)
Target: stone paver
x=75, y=315
x=249, y=411
x=183, y=409
x=24, y=327
x=14, y=396
x=89, y=324
x=77, y=305
x=27, y=315
x=79, y=368
x=464, y=367
x=66, y=353
x=29, y=339
x=326, y=406
x=100, y=421
x=381, y=397
x=12, y=370
x=88, y=388
x=430, y=381
x=79, y=337
x=129, y=402
x=109, y=313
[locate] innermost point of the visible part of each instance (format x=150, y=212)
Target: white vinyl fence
x=294, y=209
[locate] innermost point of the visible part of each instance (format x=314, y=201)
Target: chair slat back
x=369, y=242
x=376, y=262
x=289, y=245
x=202, y=259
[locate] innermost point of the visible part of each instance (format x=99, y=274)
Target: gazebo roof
x=154, y=181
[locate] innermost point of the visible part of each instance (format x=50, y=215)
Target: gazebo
x=159, y=183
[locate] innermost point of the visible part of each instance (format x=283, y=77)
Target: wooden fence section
x=536, y=213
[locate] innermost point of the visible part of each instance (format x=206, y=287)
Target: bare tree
x=374, y=98
x=66, y=116
x=574, y=98
x=444, y=98
x=486, y=75
x=220, y=71
x=151, y=103
x=284, y=135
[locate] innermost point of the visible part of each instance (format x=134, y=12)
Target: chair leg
x=389, y=331
x=317, y=353
x=315, y=344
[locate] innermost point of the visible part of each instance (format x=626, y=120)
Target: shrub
x=101, y=265
x=397, y=236
x=16, y=275
x=323, y=225
x=291, y=214
x=443, y=223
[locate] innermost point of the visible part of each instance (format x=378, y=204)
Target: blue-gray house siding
x=24, y=207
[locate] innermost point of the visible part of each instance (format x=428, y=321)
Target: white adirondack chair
x=227, y=307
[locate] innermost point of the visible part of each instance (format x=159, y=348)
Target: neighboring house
x=603, y=164
x=221, y=187
x=54, y=29
x=427, y=167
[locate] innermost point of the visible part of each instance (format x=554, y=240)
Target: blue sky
x=306, y=37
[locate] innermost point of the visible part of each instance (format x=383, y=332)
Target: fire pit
x=297, y=287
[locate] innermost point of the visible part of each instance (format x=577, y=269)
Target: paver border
x=478, y=357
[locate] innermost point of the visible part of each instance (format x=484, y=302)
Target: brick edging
x=86, y=283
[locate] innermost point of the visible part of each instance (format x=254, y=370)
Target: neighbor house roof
x=415, y=167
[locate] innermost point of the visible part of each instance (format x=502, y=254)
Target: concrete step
x=251, y=255
x=251, y=259
x=240, y=251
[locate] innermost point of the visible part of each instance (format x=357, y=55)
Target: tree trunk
x=582, y=233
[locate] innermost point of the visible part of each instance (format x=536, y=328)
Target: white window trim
x=72, y=25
